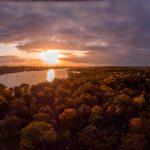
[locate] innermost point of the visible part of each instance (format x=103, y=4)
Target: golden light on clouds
x=51, y=57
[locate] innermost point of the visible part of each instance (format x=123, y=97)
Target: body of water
x=32, y=77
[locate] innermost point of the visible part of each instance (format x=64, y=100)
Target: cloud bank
x=113, y=32
x=12, y=60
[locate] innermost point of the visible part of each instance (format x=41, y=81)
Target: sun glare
x=51, y=57
x=50, y=75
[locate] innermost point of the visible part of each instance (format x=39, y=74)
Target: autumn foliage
x=105, y=108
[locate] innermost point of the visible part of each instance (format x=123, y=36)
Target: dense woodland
x=96, y=109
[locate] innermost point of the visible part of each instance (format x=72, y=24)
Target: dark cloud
x=114, y=32
x=115, y=58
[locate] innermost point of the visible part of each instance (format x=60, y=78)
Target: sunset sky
x=110, y=32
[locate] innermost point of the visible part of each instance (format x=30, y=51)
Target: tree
x=87, y=87
x=110, y=110
x=133, y=142
x=96, y=139
x=88, y=136
x=11, y=124
x=122, y=100
x=43, y=117
x=18, y=92
x=68, y=118
x=2, y=87
x=96, y=117
x=97, y=110
x=68, y=115
x=88, y=100
x=18, y=105
x=3, y=106
x=120, y=111
x=60, y=108
x=84, y=113
x=135, y=124
x=139, y=102
x=37, y=134
x=45, y=109
x=2, y=101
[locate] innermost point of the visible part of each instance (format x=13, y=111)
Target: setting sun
x=51, y=57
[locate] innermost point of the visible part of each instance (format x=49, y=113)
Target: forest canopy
x=105, y=108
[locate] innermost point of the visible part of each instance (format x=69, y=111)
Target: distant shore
x=14, y=69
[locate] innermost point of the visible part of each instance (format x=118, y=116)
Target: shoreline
x=11, y=69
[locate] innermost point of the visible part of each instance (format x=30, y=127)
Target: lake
x=32, y=77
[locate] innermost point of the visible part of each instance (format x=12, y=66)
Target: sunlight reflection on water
x=50, y=75
x=32, y=77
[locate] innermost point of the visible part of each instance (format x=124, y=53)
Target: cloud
x=40, y=45
x=11, y=60
x=96, y=58
x=117, y=29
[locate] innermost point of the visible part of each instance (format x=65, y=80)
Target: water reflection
x=50, y=75
x=32, y=77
